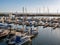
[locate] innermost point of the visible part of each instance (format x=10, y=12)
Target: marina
x=29, y=22
x=28, y=30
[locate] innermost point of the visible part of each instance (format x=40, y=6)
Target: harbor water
x=46, y=36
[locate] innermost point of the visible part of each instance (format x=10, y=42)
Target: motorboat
x=18, y=40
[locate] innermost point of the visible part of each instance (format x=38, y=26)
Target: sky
x=35, y=6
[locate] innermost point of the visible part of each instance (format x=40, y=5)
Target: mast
x=26, y=10
x=43, y=9
x=48, y=10
x=23, y=10
x=23, y=17
x=39, y=10
x=26, y=13
x=57, y=11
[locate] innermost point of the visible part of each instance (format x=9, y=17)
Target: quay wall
x=17, y=15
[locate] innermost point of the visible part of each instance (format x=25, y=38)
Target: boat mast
x=57, y=11
x=43, y=10
x=39, y=11
x=48, y=10
x=23, y=17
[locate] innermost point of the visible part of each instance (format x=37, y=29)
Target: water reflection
x=46, y=36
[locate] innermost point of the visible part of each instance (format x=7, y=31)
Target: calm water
x=46, y=36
